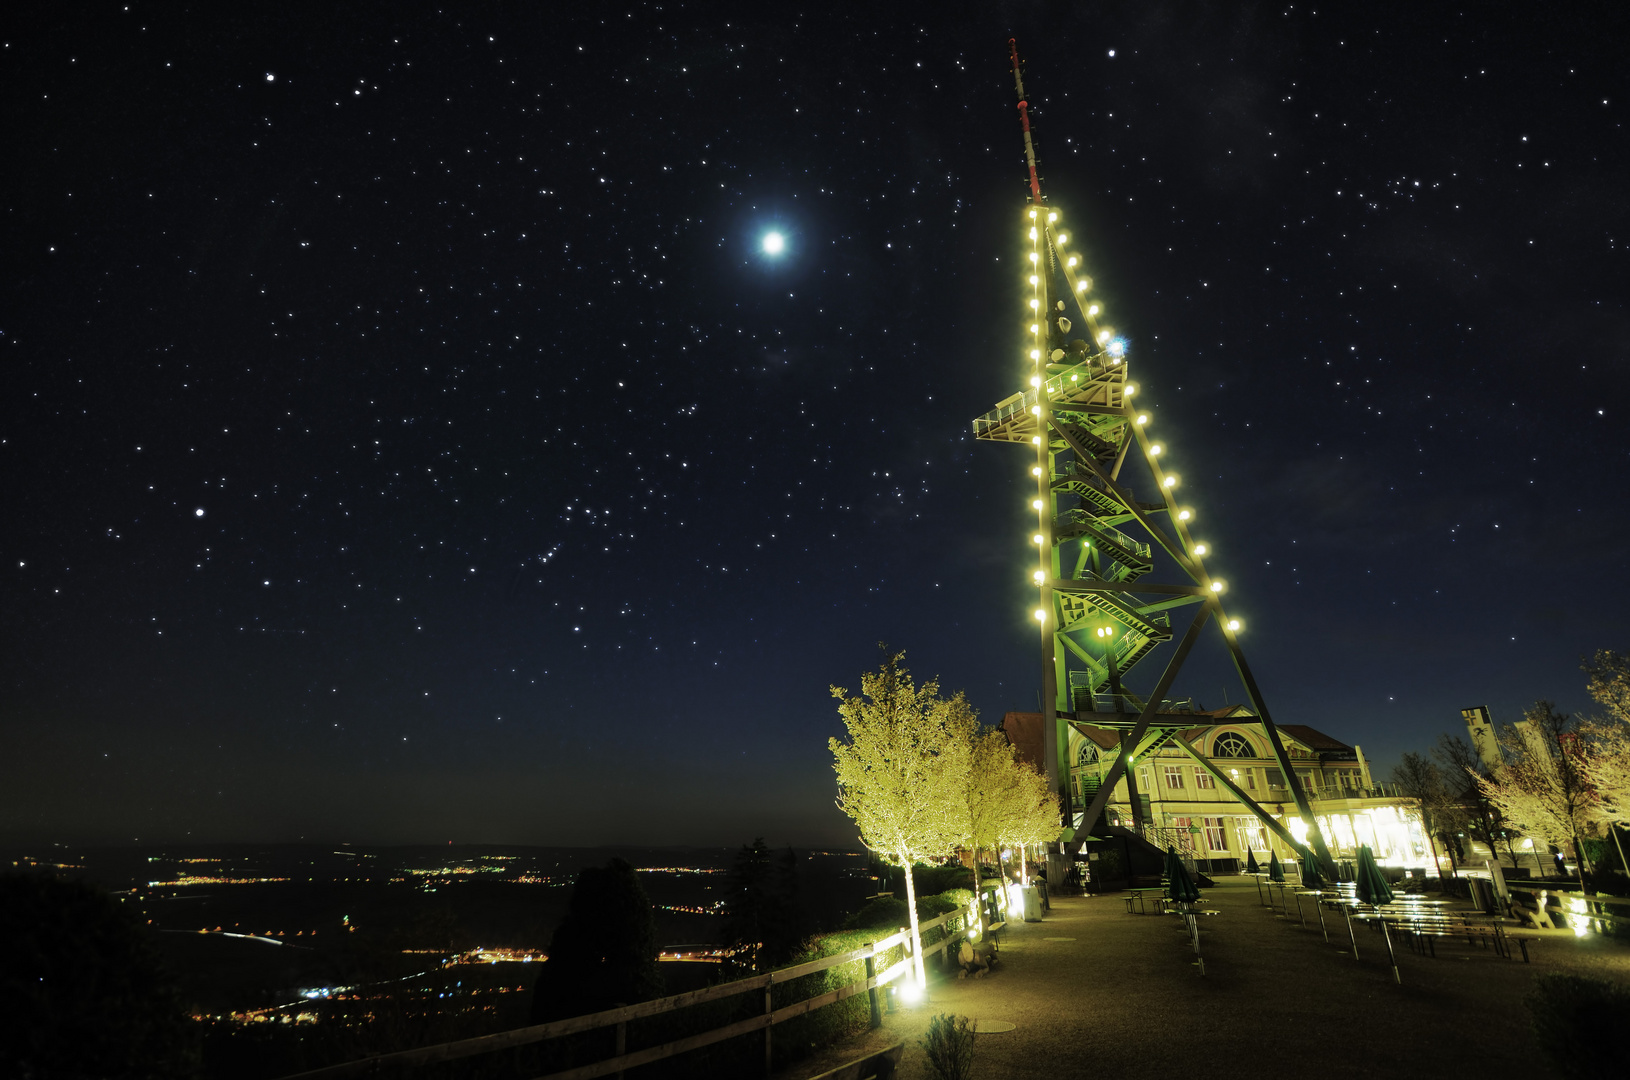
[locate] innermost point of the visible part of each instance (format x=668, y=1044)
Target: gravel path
x=1093, y=991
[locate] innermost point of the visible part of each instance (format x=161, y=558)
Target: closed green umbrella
x=1275, y=871
x=1372, y=888
x=1369, y=884
x=1312, y=880
x=1181, y=890
x=1179, y=885
x=1255, y=870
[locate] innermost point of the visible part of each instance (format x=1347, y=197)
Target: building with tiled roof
x=1180, y=803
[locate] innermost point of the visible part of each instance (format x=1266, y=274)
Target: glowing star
x=774, y=243
x=198, y=512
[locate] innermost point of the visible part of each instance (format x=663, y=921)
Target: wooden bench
x=878, y=1066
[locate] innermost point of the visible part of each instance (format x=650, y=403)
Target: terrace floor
x=1094, y=991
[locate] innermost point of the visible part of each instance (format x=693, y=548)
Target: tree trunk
x=1579, y=864
x=916, y=931
x=1432, y=845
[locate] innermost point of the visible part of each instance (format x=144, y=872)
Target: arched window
x=1088, y=754
x=1231, y=745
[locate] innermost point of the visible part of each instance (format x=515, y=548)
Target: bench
x=878, y=1066
x=1426, y=928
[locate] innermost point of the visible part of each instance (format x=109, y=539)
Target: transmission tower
x=1102, y=606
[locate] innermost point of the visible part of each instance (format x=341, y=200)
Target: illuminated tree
x=1543, y=787
x=1465, y=768
x=1608, y=767
x=903, y=772
x=1030, y=811
x=1421, y=780
x=990, y=781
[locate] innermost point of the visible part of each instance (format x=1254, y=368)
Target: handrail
x=504, y=1040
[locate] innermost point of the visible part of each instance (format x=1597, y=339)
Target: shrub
x=1578, y=1023
x=881, y=913
x=949, y=1046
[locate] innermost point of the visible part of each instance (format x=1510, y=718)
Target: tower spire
x=1024, y=119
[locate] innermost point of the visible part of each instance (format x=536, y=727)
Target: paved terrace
x=1094, y=991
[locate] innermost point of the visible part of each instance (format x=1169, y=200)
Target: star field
x=410, y=435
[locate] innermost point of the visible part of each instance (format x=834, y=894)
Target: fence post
x=871, y=987
x=622, y=1044
x=769, y=1007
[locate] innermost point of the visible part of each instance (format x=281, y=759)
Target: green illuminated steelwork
x=1098, y=607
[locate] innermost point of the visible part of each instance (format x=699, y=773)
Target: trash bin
x=1032, y=904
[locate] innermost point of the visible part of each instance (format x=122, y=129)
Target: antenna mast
x=1024, y=119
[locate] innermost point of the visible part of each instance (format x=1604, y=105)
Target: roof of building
x=1023, y=731
x=1313, y=738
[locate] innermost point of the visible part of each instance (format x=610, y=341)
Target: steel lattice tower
x=1099, y=609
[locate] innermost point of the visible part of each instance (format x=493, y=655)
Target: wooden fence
x=619, y=1018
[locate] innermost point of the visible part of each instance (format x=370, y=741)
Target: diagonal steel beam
x=1249, y=803
x=1303, y=807
x=1106, y=787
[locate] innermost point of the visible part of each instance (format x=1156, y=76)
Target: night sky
x=405, y=437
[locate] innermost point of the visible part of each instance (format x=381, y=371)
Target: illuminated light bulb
x=1041, y=616
x=1035, y=470
x=1233, y=624
x=1074, y=377
x=1032, y=215
x=1154, y=451
x=1183, y=515
x=1062, y=238
x=1103, y=337
x=1034, y=304
x=1035, y=354
x=1081, y=286
x=1071, y=261
x=1170, y=481
x=1034, y=329
x=1216, y=586
x=1035, y=504
x=1035, y=410
x=1035, y=380
x=1200, y=549
x=1040, y=576
x=1093, y=309
x=1127, y=391
x=1032, y=232
x=1035, y=440
x=1033, y=256
x=1051, y=218
x=1034, y=279
x=1036, y=539
x=1144, y=418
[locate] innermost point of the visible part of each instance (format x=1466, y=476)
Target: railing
x=1057, y=385
x=619, y=1018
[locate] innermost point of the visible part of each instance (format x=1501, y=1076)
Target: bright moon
x=774, y=243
